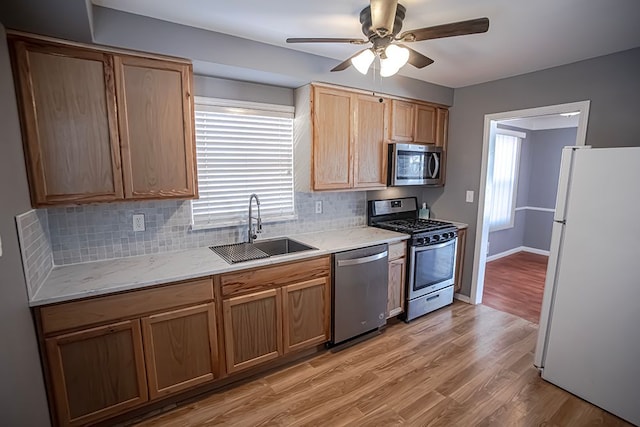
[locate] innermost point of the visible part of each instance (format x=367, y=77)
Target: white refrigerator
x=589, y=336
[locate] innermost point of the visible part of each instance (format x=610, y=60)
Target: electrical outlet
x=319, y=206
x=469, y=198
x=138, y=222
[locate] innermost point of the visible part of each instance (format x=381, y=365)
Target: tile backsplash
x=37, y=260
x=104, y=231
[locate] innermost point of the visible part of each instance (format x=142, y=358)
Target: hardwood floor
x=515, y=284
x=462, y=365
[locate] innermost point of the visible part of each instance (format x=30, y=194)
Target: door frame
x=482, y=221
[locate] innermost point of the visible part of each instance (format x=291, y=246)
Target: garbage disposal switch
x=359, y=292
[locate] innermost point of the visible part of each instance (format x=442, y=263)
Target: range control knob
x=427, y=239
x=419, y=241
x=436, y=237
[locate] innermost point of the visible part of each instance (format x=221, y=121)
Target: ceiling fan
x=381, y=23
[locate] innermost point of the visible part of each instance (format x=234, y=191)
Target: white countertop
x=70, y=282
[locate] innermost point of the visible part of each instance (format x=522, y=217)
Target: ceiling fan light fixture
x=363, y=61
x=394, y=58
x=387, y=67
x=397, y=54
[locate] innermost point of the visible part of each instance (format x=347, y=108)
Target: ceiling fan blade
x=461, y=28
x=346, y=63
x=325, y=40
x=417, y=59
x=383, y=15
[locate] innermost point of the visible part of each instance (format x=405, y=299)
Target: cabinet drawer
x=397, y=250
x=260, y=279
x=105, y=309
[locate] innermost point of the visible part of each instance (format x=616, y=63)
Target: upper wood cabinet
x=371, y=127
x=156, y=127
x=70, y=130
x=418, y=122
x=349, y=134
x=402, y=120
x=332, y=139
x=100, y=125
x=425, y=126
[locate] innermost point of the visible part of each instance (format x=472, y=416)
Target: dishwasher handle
x=364, y=260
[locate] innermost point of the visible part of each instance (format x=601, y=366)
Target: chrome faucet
x=252, y=232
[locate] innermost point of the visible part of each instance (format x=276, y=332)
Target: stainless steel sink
x=281, y=246
x=241, y=252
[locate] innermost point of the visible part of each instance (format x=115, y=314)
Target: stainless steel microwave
x=415, y=164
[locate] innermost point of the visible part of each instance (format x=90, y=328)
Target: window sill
x=242, y=223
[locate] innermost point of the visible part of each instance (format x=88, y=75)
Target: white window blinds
x=504, y=182
x=242, y=150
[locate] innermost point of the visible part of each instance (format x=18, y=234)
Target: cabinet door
x=97, y=372
x=372, y=116
x=395, y=296
x=70, y=131
x=307, y=314
x=252, y=329
x=332, y=139
x=462, y=240
x=442, y=128
x=425, y=124
x=156, y=126
x=180, y=349
x=402, y=120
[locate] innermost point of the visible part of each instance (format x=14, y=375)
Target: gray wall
x=231, y=57
x=22, y=396
x=537, y=187
x=611, y=83
x=242, y=91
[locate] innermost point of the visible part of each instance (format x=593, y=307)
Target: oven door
x=431, y=268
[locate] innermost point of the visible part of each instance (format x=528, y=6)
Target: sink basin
x=281, y=246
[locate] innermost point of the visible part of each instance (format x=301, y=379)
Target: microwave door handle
x=429, y=171
x=437, y=166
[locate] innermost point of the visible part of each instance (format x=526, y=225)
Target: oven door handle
x=438, y=246
x=364, y=260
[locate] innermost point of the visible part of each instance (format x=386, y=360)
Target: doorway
x=492, y=124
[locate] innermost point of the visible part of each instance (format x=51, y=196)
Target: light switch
x=469, y=196
x=319, y=206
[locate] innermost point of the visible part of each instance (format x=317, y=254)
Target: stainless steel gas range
x=432, y=253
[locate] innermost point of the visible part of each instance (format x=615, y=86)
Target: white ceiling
x=551, y=121
x=523, y=36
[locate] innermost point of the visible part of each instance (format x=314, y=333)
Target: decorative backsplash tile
x=37, y=260
x=105, y=231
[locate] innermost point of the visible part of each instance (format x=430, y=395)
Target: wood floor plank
x=462, y=365
x=515, y=284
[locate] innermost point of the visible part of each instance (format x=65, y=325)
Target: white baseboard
x=462, y=298
x=515, y=251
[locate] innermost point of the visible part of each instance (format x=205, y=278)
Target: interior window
x=504, y=182
x=242, y=148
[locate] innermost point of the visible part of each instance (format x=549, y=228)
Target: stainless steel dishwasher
x=359, y=292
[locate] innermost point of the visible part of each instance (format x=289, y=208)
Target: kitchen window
x=242, y=148
x=504, y=182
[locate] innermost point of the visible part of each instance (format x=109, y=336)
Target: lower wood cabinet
x=288, y=309
x=253, y=329
x=307, y=313
x=397, y=279
x=180, y=349
x=97, y=372
x=462, y=241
